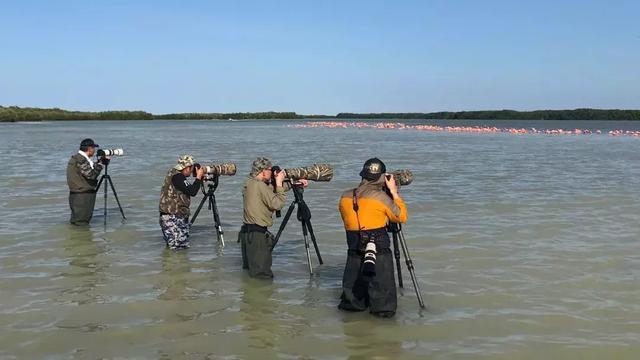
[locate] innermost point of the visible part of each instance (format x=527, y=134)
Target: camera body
x=369, y=259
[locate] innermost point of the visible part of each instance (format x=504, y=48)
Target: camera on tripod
x=106, y=181
x=315, y=172
x=212, y=174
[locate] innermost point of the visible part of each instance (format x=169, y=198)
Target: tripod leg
x=407, y=256
x=195, y=215
x=306, y=246
x=396, y=255
x=106, y=177
x=99, y=183
x=283, y=224
x=313, y=239
x=216, y=220
x=115, y=194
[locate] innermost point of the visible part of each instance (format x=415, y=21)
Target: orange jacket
x=375, y=208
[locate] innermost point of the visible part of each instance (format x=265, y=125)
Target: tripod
x=107, y=180
x=211, y=197
x=304, y=216
x=398, y=237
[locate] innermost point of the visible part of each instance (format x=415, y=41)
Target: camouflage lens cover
x=228, y=169
x=403, y=177
x=315, y=172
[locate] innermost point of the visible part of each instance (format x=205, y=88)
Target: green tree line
x=577, y=114
x=14, y=113
x=225, y=116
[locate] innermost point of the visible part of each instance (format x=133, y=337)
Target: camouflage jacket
x=172, y=200
x=80, y=176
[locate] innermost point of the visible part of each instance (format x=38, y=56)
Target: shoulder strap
x=356, y=207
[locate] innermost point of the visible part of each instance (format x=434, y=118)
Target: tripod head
x=212, y=182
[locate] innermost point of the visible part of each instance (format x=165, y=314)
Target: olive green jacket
x=260, y=201
x=81, y=177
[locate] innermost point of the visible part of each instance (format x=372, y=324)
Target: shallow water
x=526, y=247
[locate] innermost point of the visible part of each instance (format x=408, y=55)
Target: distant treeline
x=14, y=113
x=225, y=116
x=577, y=114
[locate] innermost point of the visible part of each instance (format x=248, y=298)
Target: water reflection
x=87, y=266
x=258, y=313
x=365, y=342
x=176, y=271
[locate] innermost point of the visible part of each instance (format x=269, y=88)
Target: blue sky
x=319, y=56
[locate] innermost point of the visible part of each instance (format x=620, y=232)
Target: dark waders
x=256, y=243
x=81, y=205
x=359, y=292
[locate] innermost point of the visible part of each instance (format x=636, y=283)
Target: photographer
x=260, y=201
x=82, y=179
x=175, y=199
x=366, y=210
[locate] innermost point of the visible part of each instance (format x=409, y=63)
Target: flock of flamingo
x=461, y=129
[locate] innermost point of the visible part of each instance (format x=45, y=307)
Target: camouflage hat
x=260, y=164
x=184, y=161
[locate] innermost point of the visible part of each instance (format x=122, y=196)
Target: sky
x=319, y=57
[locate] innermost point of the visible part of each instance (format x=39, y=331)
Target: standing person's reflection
x=86, y=266
x=364, y=342
x=259, y=318
x=176, y=273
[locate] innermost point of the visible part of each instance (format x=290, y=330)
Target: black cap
x=88, y=143
x=373, y=169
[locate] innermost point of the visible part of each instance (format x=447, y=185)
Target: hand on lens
x=199, y=173
x=280, y=178
x=390, y=181
x=304, y=182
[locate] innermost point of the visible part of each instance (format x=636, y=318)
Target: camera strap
x=356, y=207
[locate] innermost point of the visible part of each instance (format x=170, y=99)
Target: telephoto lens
x=228, y=169
x=110, y=152
x=315, y=172
x=403, y=177
x=369, y=264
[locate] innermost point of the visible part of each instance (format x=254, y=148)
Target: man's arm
x=273, y=200
x=180, y=182
x=85, y=169
x=397, y=210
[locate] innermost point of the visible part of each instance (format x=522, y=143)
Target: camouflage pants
x=175, y=230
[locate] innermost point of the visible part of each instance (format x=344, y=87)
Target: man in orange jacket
x=368, y=280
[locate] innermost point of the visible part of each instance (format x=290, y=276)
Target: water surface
x=526, y=247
